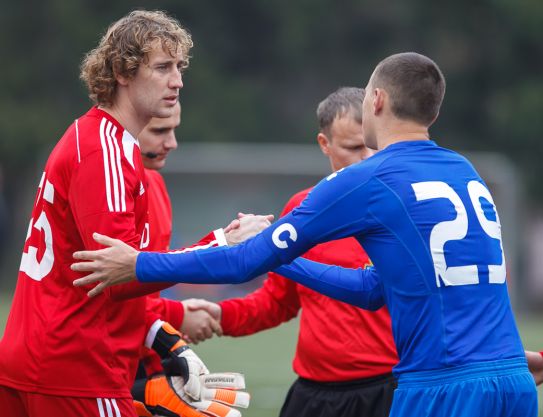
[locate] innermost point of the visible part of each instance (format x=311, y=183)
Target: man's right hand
x=201, y=319
x=535, y=364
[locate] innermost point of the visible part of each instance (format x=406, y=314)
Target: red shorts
x=15, y=403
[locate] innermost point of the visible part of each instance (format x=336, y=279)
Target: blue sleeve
x=360, y=287
x=333, y=210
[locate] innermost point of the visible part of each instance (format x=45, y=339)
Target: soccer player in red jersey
x=345, y=355
x=63, y=353
x=535, y=363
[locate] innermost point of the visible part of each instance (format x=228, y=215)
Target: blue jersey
x=430, y=226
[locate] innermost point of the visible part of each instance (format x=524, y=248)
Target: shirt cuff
x=175, y=313
x=151, y=334
x=228, y=312
x=220, y=237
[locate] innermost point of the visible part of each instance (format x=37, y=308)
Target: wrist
x=221, y=237
x=166, y=339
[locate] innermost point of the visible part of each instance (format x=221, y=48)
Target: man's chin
x=154, y=165
x=164, y=111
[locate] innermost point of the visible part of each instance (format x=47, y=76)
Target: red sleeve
x=168, y=310
x=108, y=210
x=541, y=353
x=108, y=206
x=211, y=240
x=276, y=302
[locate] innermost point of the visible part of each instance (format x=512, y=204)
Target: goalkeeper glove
x=156, y=397
x=190, y=378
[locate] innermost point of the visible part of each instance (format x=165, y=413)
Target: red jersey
x=57, y=340
x=160, y=212
x=337, y=341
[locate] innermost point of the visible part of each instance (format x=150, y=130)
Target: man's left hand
x=246, y=226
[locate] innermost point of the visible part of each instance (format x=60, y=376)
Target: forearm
x=168, y=310
x=214, y=266
x=136, y=289
x=359, y=287
x=267, y=307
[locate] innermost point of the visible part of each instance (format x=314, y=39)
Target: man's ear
x=121, y=80
x=324, y=143
x=380, y=97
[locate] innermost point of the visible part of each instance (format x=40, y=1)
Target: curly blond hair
x=125, y=46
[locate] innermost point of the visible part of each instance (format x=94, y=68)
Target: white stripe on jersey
x=113, y=166
x=108, y=407
x=113, y=170
x=105, y=154
x=77, y=139
x=119, y=168
x=209, y=245
x=117, y=412
x=100, y=407
x=129, y=143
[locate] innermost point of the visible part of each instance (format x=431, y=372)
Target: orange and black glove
x=189, y=379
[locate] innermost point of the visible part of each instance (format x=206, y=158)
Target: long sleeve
x=213, y=239
x=360, y=287
x=317, y=220
x=274, y=303
x=168, y=310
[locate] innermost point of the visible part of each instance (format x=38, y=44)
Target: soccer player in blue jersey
x=430, y=226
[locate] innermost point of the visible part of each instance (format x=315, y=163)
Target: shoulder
x=295, y=200
x=154, y=179
x=98, y=133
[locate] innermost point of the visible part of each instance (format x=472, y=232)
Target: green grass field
x=266, y=358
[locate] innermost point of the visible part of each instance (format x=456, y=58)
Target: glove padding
x=178, y=359
x=157, y=397
x=187, y=375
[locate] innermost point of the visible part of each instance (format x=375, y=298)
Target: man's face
x=345, y=144
x=154, y=90
x=158, y=138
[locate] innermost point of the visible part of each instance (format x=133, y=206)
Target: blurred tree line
x=259, y=68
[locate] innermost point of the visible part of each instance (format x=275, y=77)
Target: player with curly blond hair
x=126, y=46
x=63, y=353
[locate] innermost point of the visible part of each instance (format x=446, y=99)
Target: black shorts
x=369, y=397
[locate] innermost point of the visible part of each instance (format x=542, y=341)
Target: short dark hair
x=342, y=101
x=415, y=84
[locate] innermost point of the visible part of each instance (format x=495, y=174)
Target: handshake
x=186, y=388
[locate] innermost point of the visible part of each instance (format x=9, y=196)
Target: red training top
x=337, y=341
x=58, y=340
